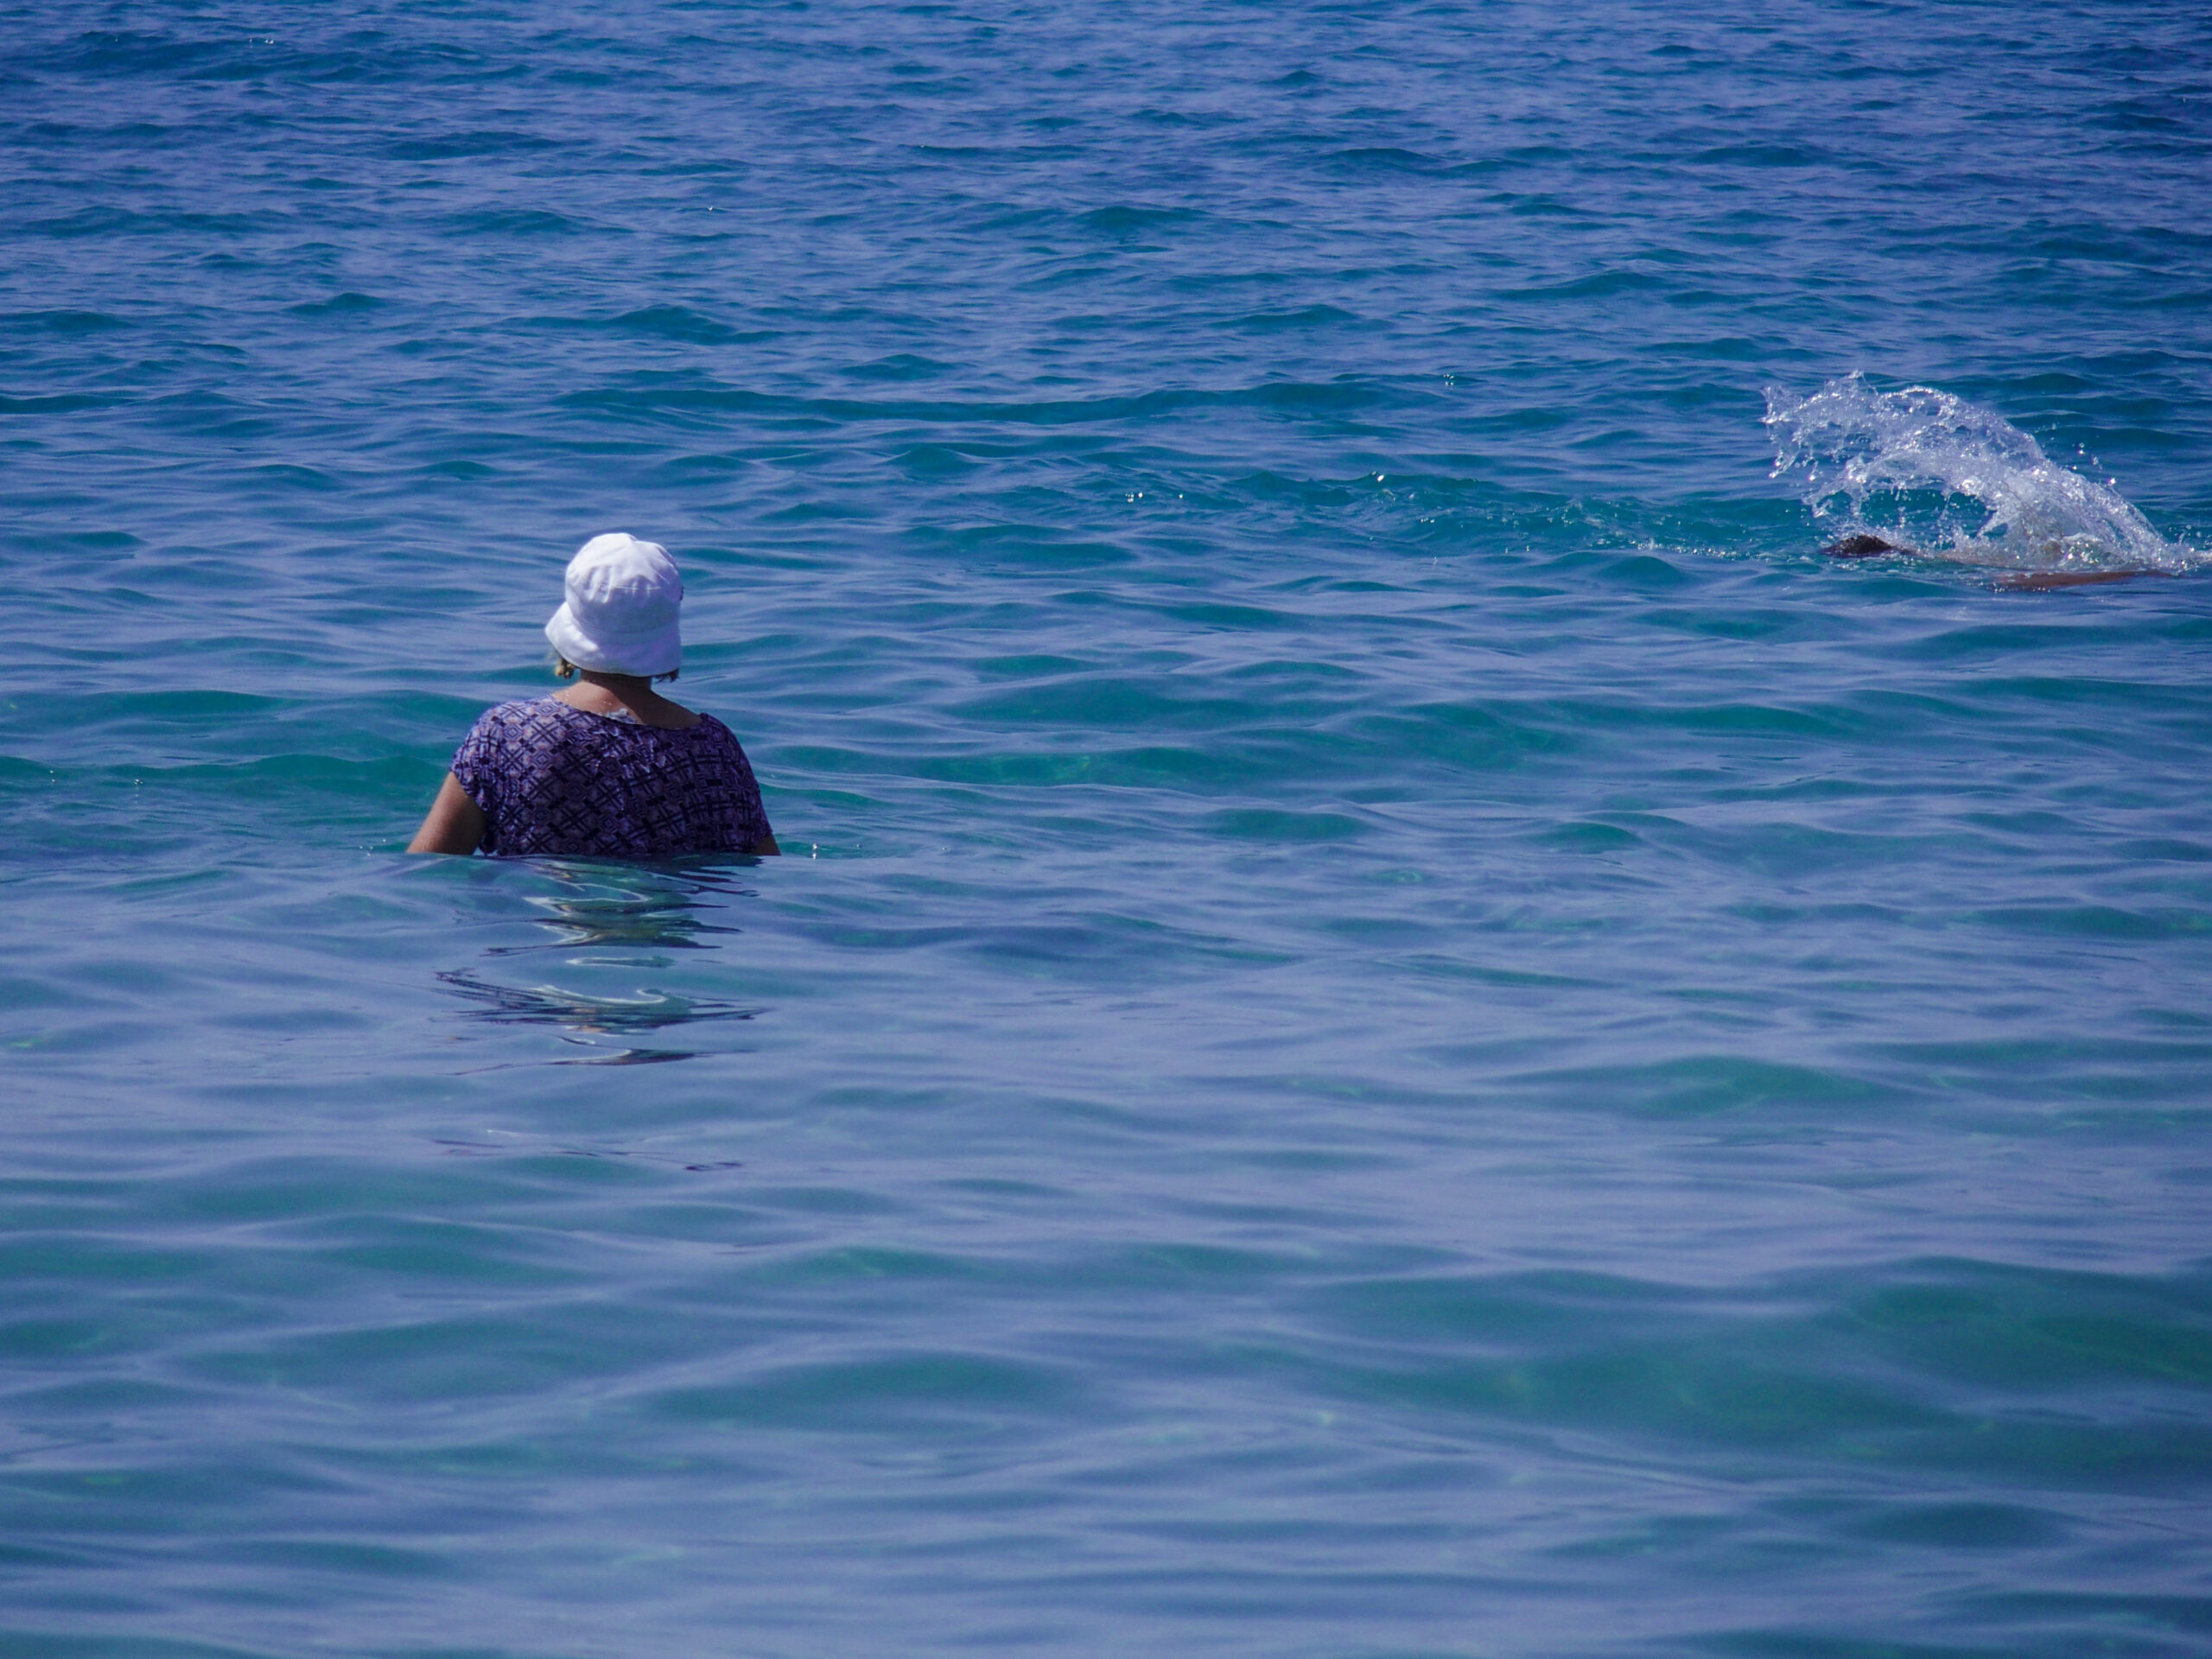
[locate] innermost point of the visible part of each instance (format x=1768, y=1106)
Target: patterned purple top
x=555, y=779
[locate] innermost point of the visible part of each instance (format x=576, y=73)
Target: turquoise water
x=1395, y=1024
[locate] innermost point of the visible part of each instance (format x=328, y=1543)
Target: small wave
x=1123, y=220
x=70, y=324
x=1927, y=469
x=338, y=305
x=58, y=402
x=466, y=146
x=1384, y=159
x=517, y=221
x=675, y=322
x=900, y=366
x=1313, y=316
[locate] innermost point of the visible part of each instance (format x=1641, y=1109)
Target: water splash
x=1922, y=467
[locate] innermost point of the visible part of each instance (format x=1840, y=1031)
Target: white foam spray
x=1934, y=471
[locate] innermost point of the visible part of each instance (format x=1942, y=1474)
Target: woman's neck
x=608, y=694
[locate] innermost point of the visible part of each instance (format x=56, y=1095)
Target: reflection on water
x=653, y=907
x=552, y=1005
x=611, y=917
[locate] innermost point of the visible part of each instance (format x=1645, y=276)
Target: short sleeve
x=476, y=764
x=751, y=826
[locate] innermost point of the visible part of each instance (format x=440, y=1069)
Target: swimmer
x=608, y=768
x=1864, y=546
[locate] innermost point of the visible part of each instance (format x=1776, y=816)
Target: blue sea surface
x=1394, y=1023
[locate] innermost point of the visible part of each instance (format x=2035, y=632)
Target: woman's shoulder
x=520, y=721
x=717, y=733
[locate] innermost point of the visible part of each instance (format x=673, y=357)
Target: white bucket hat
x=621, y=616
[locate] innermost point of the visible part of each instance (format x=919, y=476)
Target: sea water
x=1393, y=1022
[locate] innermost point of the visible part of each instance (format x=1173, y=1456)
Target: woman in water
x=608, y=768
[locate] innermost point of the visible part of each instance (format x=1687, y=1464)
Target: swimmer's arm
x=2040, y=582
x=454, y=823
x=764, y=848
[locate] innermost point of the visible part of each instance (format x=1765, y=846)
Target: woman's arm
x=764, y=848
x=454, y=823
